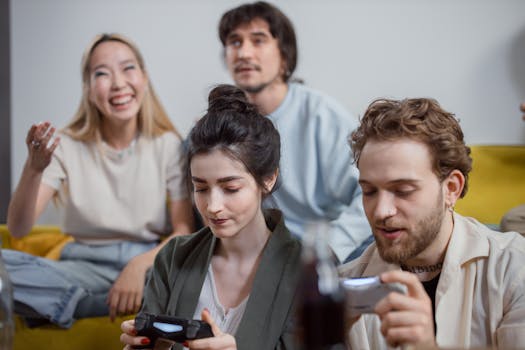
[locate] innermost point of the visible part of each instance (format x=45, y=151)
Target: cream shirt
x=109, y=195
x=480, y=297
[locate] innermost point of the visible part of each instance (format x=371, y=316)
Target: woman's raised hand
x=37, y=141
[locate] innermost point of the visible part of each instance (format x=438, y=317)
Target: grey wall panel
x=5, y=110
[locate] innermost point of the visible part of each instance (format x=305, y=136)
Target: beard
x=254, y=89
x=257, y=88
x=416, y=240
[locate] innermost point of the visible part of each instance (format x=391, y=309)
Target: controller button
x=167, y=327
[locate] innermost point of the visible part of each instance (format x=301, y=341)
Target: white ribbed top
x=227, y=320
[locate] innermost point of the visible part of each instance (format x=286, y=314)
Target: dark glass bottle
x=321, y=303
x=7, y=328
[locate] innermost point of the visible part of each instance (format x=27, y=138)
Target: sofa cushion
x=85, y=334
x=496, y=182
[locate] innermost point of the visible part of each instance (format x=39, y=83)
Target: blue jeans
x=84, y=274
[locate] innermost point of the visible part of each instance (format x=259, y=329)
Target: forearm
x=181, y=213
x=21, y=213
x=182, y=227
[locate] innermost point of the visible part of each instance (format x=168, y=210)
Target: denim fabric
x=84, y=274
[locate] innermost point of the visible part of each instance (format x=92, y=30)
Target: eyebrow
x=127, y=61
x=393, y=182
x=121, y=63
x=98, y=67
x=221, y=180
x=232, y=35
x=259, y=33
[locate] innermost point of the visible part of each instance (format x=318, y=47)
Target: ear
x=269, y=183
x=284, y=67
x=452, y=187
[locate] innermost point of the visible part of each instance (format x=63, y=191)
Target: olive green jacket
x=180, y=269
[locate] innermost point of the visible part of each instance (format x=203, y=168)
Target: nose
x=385, y=206
x=245, y=50
x=215, y=202
x=118, y=81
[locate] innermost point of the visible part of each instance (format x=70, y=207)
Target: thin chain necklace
x=421, y=269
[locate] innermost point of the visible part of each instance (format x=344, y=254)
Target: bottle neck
x=317, y=252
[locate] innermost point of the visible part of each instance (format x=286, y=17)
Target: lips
x=121, y=100
x=218, y=222
x=389, y=232
x=243, y=70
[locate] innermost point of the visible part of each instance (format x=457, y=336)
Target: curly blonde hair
x=420, y=119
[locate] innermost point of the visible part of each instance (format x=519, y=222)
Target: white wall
x=468, y=54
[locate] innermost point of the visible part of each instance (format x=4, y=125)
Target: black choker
x=420, y=269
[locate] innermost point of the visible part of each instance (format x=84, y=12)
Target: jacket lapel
x=193, y=273
x=456, y=284
x=272, y=294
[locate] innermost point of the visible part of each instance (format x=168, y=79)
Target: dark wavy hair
x=421, y=119
x=281, y=28
x=234, y=126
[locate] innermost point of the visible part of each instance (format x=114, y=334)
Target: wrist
x=144, y=261
x=32, y=171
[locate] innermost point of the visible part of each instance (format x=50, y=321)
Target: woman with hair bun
x=239, y=273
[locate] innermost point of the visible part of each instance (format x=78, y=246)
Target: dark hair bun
x=228, y=98
x=235, y=127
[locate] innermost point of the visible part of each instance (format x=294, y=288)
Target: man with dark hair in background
x=318, y=180
x=465, y=282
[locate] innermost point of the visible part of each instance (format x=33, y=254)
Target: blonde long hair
x=152, y=118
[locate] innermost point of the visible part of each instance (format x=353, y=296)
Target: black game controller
x=169, y=328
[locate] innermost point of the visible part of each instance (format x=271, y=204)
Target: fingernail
x=206, y=309
x=144, y=341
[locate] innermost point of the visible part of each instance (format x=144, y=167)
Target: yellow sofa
x=496, y=183
x=85, y=334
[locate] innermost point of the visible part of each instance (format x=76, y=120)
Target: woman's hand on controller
x=129, y=335
x=220, y=341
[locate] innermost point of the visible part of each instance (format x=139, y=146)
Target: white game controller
x=363, y=293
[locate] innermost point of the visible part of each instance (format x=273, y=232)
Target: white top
x=108, y=195
x=227, y=320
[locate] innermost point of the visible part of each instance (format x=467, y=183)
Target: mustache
x=387, y=223
x=245, y=65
